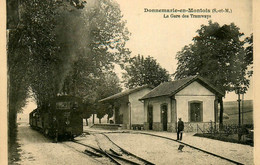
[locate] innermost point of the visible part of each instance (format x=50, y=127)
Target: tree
x=25, y=39
x=98, y=44
x=62, y=46
x=96, y=41
x=216, y=54
x=31, y=56
x=32, y=50
x=109, y=84
x=144, y=71
x=17, y=90
x=249, y=55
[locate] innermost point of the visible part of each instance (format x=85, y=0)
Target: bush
x=227, y=138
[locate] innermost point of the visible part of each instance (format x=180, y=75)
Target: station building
x=193, y=99
x=128, y=109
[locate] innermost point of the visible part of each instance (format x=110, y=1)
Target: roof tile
x=170, y=88
x=124, y=93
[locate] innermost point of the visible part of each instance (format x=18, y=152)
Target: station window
x=195, y=111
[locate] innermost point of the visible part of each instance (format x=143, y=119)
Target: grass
x=231, y=118
x=231, y=109
x=226, y=138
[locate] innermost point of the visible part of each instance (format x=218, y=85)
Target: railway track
x=110, y=153
x=185, y=144
x=89, y=150
x=118, y=153
x=196, y=148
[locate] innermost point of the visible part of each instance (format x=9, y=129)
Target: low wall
x=171, y=127
x=146, y=126
x=157, y=126
x=199, y=127
x=107, y=126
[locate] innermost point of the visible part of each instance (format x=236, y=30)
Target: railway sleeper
x=124, y=159
x=114, y=152
x=90, y=153
x=129, y=153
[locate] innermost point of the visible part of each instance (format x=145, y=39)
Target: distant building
x=128, y=110
x=193, y=99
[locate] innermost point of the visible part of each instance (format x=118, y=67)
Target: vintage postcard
x=128, y=82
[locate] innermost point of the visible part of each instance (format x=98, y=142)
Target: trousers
x=178, y=135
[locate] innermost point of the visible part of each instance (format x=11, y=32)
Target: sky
x=162, y=38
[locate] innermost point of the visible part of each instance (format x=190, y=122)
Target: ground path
x=37, y=149
x=237, y=152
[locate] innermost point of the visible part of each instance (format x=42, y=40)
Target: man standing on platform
x=180, y=129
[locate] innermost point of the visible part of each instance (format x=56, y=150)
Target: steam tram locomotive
x=59, y=118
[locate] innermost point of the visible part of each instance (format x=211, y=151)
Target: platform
x=107, y=126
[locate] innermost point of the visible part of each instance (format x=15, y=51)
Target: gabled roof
x=173, y=87
x=125, y=93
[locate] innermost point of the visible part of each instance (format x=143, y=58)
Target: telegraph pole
x=239, y=110
x=243, y=108
x=238, y=91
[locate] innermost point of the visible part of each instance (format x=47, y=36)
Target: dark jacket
x=180, y=125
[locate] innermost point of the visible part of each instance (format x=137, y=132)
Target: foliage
x=62, y=46
x=18, y=85
x=223, y=137
x=249, y=54
x=144, y=71
x=95, y=40
x=59, y=46
x=217, y=54
x=107, y=85
x=32, y=49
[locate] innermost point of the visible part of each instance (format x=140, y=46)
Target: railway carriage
x=60, y=117
x=33, y=119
